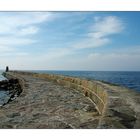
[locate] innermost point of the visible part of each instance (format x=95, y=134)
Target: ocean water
x=128, y=79
x=4, y=97
x=1, y=76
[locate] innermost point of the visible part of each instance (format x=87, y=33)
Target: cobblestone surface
x=44, y=104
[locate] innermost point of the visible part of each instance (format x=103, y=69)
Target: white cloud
x=56, y=54
x=100, y=31
x=4, y=49
x=12, y=51
x=106, y=26
x=96, y=37
x=25, y=25
x=99, y=61
x=112, y=61
x=28, y=30
x=59, y=59
x=10, y=41
x=91, y=42
x=15, y=22
x=17, y=29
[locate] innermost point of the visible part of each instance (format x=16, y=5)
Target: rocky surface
x=44, y=104
x=123, y=108
x=10, y=89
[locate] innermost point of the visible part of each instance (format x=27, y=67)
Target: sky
x=94, y=41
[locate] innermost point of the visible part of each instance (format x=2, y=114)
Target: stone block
x=100, y=90
x=94, y=87
x=77, y=81
x=85, y=83
x=90, y=85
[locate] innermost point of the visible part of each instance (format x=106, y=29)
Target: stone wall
x=93, y=90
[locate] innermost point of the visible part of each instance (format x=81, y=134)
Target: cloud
x=100, y=62
x=97, y=36
x=113, y=61
x=9, y=54
x=55, y=55
x=28, y=30
x=91, y=42
x=4, y=49
x=106, y=26
x=100, y=31
x=14, y=41
x=17, y=29
x=11, y=23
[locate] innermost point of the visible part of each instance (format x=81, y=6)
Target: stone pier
x=56, y=101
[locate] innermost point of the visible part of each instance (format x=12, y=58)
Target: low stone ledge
x=91, y=89
x=95, y=92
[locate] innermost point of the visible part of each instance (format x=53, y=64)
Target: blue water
x=4, y=96
x=127, y=79
x=1, y=76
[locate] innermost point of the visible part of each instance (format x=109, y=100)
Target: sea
x=4, y=96
x=129, y=79
x=1, y=76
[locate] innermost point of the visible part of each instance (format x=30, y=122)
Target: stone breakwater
x=95, y=92
x=55, y=101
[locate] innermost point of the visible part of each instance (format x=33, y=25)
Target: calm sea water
x=4, y=97
x=1, y=76
x=127, y=79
